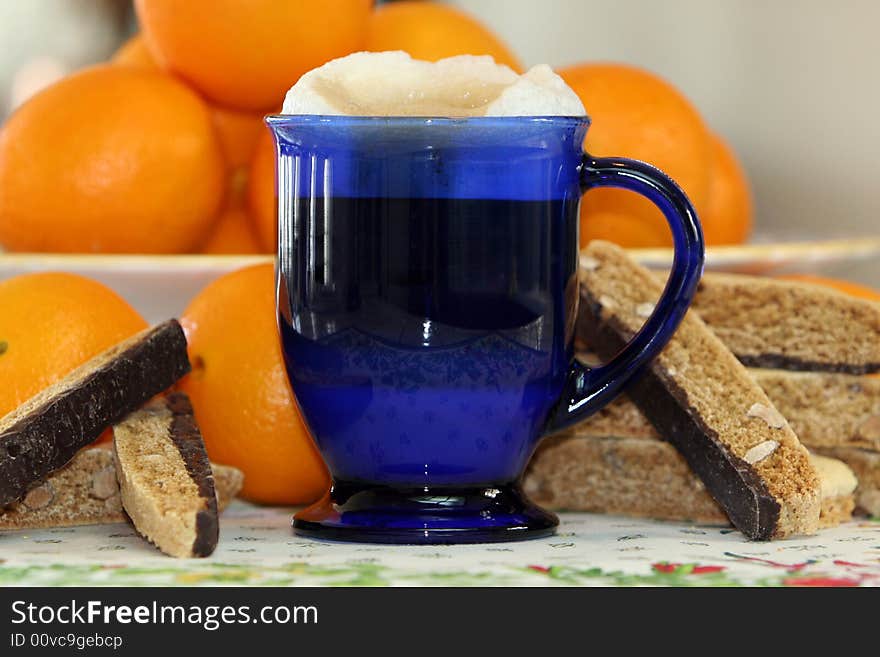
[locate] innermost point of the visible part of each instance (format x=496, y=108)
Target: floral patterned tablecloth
x=258, y=548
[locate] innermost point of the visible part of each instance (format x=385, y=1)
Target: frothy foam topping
x=395, y=84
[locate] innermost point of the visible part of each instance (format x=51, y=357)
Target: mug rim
x=344, y=119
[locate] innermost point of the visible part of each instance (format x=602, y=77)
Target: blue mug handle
x=587, y=390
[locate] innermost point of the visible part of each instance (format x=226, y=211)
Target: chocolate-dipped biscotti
x=165, y=477
x=832, y=414
x=772, y=323
x=825, y=410
x=86, y=492
x=780, y=324
x=703, y=400
x=46, y=432
x=604, y=467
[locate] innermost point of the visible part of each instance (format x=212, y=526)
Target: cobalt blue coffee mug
x=427, y=294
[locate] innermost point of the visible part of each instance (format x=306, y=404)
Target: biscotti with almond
x=773, y=323
x=86, y=492
x=45, y=433
x=824, y=409
x=165, y=477
x=587, y=469
x=780, y=324
x=703, y=400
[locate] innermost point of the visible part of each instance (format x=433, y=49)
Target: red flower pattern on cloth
x=686, y=569
x=821, y=581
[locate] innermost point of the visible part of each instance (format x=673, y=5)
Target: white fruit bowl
x=161, y=286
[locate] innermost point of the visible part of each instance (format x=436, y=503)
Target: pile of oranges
x=163, y=148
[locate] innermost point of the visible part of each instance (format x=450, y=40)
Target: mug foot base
x=381, y=514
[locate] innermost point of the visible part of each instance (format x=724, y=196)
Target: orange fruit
x=240, y=392
x=847, y=287
x=639, y=115
x=233, y=234
x=238, y=133
x=261, y=192
x=50, y=323
x=236, y=130
x=432, y=31
x=134, y=52
x=111, y=159
x=236, y=188
x=246, y=55
x=727, y=218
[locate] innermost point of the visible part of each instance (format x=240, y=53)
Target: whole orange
x=237, y=131
x=639, y=115
x=50, y=323
x=234, y=234
x=134, y=52
x=261, y=192
x=111, y=159
x=727, y=218
x=247, y=54
x=240, y=392
x=432, y=31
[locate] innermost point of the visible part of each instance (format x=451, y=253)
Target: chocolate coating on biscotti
x=187, y=438
x=731, y=481
x=782, y=362
x=46, y=432
x=781, y=324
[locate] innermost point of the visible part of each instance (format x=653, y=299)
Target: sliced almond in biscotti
x=866, y=465
x=165, y=477
x=703, y=400
x=45, y=432
x=85, y=492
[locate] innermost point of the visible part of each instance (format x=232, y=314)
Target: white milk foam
x=395, y=84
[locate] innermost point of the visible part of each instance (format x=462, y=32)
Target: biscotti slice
x=86, y=492
x=703, y=400
x=45, y=432
x=641, y=477
x=824, y=409
x=648, y=478
x=165, y=477
x=779, y=324
x=866, y=465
